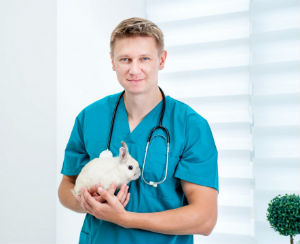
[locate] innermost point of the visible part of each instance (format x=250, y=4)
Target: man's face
x=137, y=61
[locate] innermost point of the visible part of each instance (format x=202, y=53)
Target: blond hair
x=137, y=27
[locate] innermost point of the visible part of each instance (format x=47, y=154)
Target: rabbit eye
x=130, y=167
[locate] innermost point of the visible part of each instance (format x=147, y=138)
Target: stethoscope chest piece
x=151, y=183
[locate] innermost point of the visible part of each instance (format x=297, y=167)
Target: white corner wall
x=28, y=121
x=54, y=61
x=84, y=75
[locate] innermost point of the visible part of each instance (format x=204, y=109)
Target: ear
x=123, y=155
x=162, y=59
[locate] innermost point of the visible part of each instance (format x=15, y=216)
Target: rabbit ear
x=124, y=145
x=123, y=152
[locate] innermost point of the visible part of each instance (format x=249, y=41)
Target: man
x=185, y=203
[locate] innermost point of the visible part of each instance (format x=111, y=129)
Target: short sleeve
x=199, y=160
x=75, y=153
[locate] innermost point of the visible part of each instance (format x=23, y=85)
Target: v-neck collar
x=153, y=115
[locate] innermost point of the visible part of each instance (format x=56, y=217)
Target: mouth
x=137, y=175
x=135, y=80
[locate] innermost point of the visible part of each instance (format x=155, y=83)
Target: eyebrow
x=126, y=55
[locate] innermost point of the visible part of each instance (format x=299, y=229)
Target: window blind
x=220, y=62
x=274, y=72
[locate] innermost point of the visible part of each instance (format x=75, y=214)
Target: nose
x=134, y=68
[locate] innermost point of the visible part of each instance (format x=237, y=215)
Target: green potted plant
x=283, y=214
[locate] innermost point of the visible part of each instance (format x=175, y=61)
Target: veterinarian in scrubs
x=186, y=202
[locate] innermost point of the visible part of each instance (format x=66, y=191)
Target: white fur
x=108, y=170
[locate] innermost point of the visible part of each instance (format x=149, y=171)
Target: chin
x=138, y=88
x=135, y=89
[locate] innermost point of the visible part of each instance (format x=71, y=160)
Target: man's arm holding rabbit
x=69, y=201
x=198, y=217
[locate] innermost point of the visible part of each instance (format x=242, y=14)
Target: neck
x=139, y=105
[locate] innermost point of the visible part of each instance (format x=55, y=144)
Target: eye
x=145, y=58
x=130, y=167
x=124, y=59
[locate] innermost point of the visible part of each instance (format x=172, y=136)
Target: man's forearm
x=66, y=197
x=181, y=221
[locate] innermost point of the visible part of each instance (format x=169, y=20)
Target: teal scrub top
x=192, y=157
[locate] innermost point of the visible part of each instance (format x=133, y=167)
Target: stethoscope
x=108, y=153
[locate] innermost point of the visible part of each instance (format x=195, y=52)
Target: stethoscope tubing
x=159, y=126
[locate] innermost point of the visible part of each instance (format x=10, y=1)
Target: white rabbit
x=121, y=169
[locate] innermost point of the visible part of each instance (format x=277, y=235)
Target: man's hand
x=91, y=198
x=111, y=209
x=122, y=195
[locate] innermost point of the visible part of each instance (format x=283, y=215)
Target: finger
x=122, y=193
x=125, y=193
x=88, y=198
x=89, y=202
x=93, y=189
x=87, y=208
x=99, y=199
x=106, y=196
x=81, y=202
x=112, y=188
x=127, y=200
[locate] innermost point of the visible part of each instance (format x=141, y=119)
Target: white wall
x=54, y=60
x=27, y=121
x=84, y=75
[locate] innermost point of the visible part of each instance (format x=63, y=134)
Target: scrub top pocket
x=155, y=166
x=156, y=157
x=155, y=169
